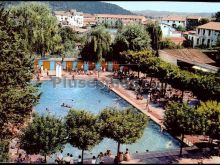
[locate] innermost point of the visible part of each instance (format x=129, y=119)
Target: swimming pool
x=92, y=96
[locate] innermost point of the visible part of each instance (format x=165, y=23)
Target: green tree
x=168, y=44
x=45, y=135
x=131, y=37
x=179, y=120
x=198, y=83
x=69, y=40
x=203, y=21
x=155, y=33
x=4, y=157
x=17, y=94
x=123, y=126
x=119, y=24
x=217, y=16
x=97, y=44
x=83, y=129
x=209, y=119
x=36, y=26
x=181, y=28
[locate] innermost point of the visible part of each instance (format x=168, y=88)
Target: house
x=189, y=58
x=69, y=18
x=89, y=19
x=169, y=31
x=206, y=35
x=174, y=21
x=113, y=18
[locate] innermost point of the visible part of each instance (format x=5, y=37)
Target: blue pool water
x=92, y=96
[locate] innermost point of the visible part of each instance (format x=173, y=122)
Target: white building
x=206, y=34
x=169, y=31
x=70, y=18
x=174, y=21
x=112, y=18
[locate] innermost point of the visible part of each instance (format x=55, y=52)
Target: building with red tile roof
x=206, y=34
x=112, y=18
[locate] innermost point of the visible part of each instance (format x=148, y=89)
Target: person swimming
x=168, y=145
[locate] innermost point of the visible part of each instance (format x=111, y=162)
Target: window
x=203, y=31
x=198, y=31
x=197, y=41
x=168, y=21
x=179, y=21
x=208, y=42
x=209, y=32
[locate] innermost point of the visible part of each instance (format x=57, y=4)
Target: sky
x=193, y=7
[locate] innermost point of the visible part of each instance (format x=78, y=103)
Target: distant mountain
x=153, y=13
x=93, y=7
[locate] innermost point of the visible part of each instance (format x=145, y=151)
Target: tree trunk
x=162, y=88
x=182, y=95
x=82, y=156
x=151, y=78
x=45, y=158
x=118, y=147
x=181, y=147
x=165, y=88
x=138, y=73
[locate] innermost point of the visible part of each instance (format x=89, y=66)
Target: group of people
x=40, y=72
x=102, y=158
x=68, y=159
x=23, y=159
x=122, y=157
x=65, y=105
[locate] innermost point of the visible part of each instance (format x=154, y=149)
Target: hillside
x=153, y=13
x=93, y=7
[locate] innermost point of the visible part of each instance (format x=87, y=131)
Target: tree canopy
x=37, y=27
x=155, y=34
x=217, y=16
x=209, y=119
x=17, y=94
x=45, y=135
x=181, y=28
x=130, y=37
x=123, y=126
x=173, y=75
x=97, y=44
x=83, y=129
x=203, y=21
x=179, y=119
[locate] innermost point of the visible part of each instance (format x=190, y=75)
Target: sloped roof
x=120, y=16
x=174, y=18
x=189, y=55
x=211, y=26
